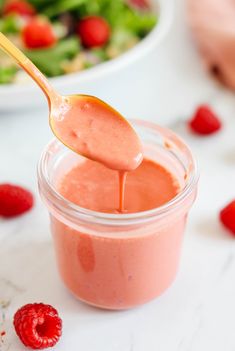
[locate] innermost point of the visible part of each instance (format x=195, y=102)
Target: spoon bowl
x=92, y=128
x=83, y=123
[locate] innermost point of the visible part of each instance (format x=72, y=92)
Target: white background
x=198, y=311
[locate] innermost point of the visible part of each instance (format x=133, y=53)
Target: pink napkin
x=213, y=27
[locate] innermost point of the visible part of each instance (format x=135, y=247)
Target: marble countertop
x=198, y=311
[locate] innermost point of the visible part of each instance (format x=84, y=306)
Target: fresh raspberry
x=94, y=31
x=38, y=325
x=19, y=7
x=139, y=4
x=14, y=200
x=205, y=121
x=38, y=33
x=227, y=216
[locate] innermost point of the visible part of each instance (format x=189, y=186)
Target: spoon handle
x=28, y=66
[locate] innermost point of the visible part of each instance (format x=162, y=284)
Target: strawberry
x=19, y=7
x=38, y=33
x=14, y=200
x=227, y=216
x=204, y=121
x=93, y=31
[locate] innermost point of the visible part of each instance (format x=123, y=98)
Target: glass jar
x=118, y=261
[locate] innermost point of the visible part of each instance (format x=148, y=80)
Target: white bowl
x=16, y=96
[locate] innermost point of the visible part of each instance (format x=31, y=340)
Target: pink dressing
x=95, y=187
x=114, y=272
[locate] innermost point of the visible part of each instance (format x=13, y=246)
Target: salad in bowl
x=64, y=37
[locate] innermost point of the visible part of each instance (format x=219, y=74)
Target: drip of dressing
x=95, y=130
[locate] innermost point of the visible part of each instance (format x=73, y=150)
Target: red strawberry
x=204, y=121
x=14, y=200
x=227, y=216
x=38, y=326
x=94, y=31
x=38, y=34
x=19, y=7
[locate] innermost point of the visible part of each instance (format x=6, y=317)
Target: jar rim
x=75, y=212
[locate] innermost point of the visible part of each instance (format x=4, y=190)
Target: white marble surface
x=198, y=311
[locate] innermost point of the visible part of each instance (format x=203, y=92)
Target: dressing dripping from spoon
x=86, y=124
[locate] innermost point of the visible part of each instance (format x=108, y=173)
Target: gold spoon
x=84, y=123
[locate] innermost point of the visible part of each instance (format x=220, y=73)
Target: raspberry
x=38, y=325
x=14, y=200
x=139, y=4
x=227, y=216
x=38, y=34
x=19, y=7
x=204, y=121
x=94, y=31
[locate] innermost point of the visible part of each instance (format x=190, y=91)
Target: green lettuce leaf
x=7, y=74
x=9, y=24
x=50, y=60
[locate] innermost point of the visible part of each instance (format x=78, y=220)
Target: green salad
x=63, y=37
